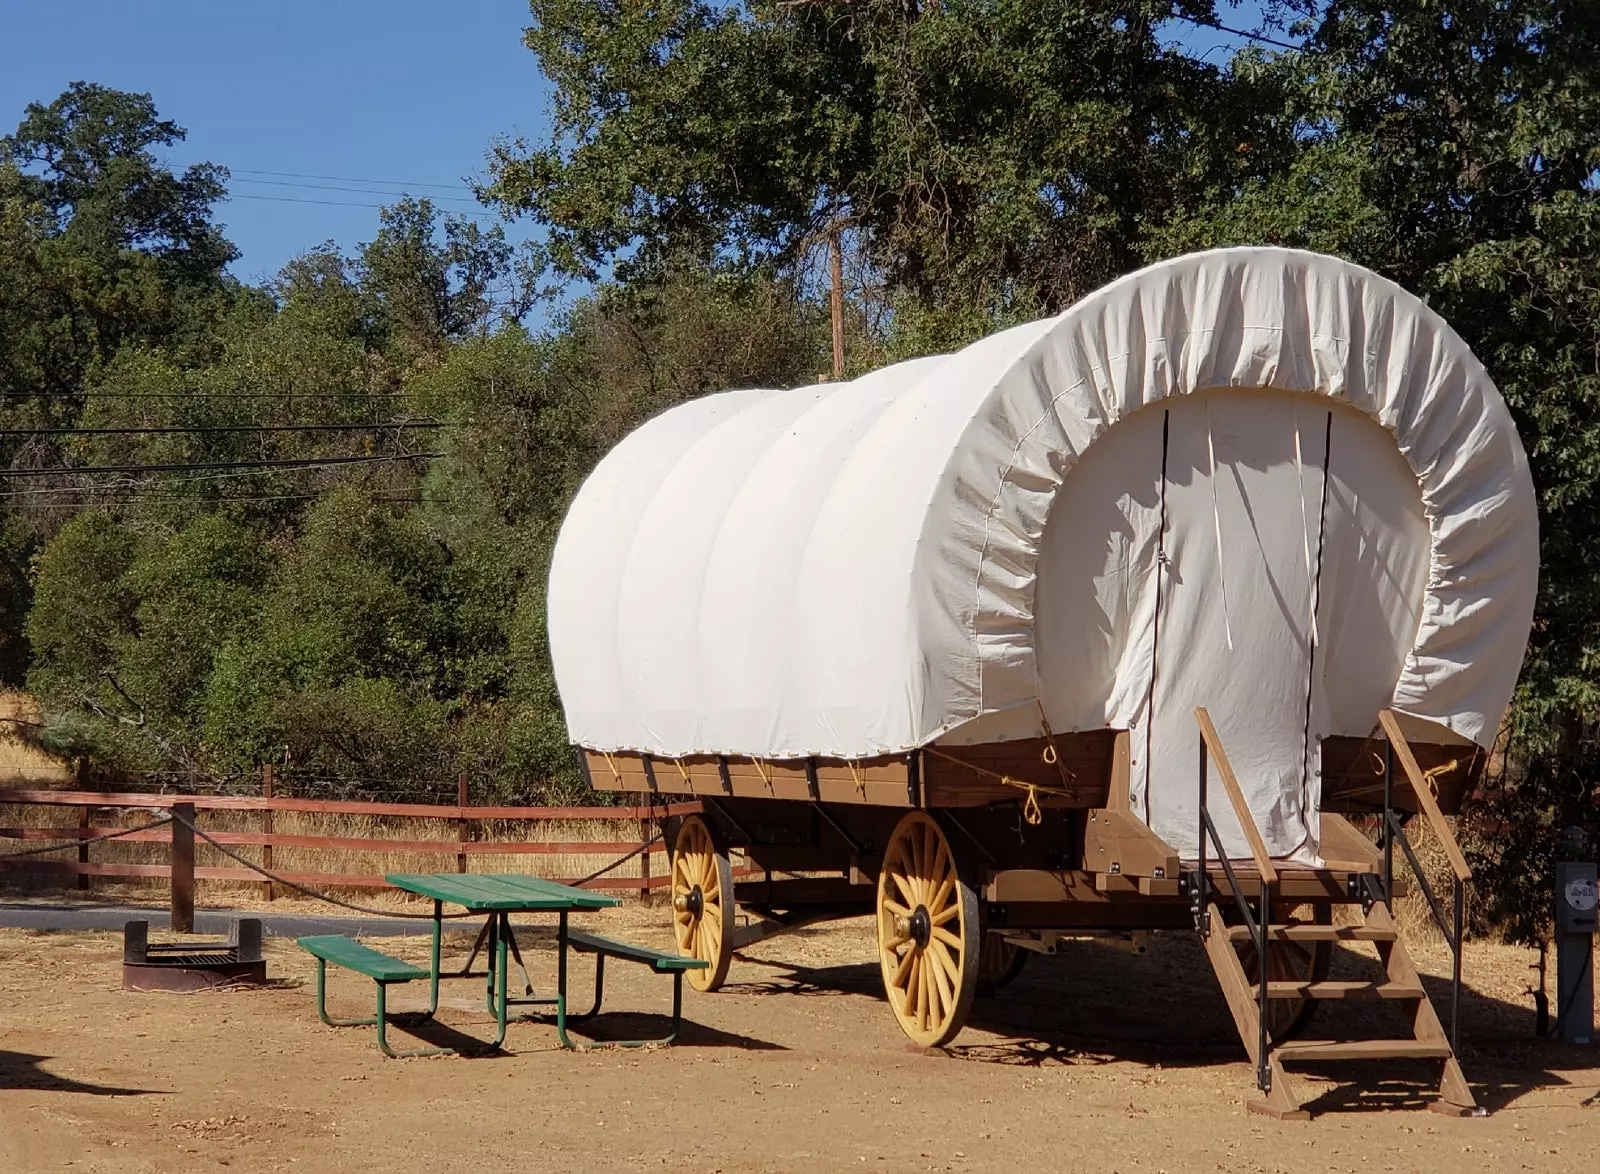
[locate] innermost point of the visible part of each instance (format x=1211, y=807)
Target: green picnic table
x=497, y=896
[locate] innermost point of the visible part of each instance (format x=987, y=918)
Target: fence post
x=83, y=849
x=182, y=868
x=461, y=828
x=268, y=890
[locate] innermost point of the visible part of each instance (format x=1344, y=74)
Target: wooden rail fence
x=181, y=872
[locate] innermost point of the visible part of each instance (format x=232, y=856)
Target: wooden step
x=1317, y=933
x=1339, y=990
x=1364, y=1049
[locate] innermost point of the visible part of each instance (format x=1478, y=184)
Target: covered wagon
x=1102, y=624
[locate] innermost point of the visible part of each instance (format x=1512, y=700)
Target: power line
x=1222, y=28
x=297, y=463
x=301, y=200
x=236, y=395
x=325, y=187
x=127, y=483
x=209, y=428
x=397, y=183
x=78, y=505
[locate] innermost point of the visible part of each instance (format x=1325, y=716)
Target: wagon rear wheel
x=1291, y=962
x=928, y=934
x=702, y=901
x=999, y=962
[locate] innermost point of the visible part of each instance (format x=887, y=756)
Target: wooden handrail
x=1230, y=783
x=1424, y=793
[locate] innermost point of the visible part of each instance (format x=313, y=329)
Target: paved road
x=77, y=915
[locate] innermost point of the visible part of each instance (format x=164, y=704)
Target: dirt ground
x=1094, y=1060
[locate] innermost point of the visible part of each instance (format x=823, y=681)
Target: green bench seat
x=352, y=955
x=383, y=969
x=588, y=943
x=603, y=948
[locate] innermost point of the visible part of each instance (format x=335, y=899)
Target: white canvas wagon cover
x=1279, y=482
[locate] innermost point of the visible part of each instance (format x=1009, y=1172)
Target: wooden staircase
x=1295, y=952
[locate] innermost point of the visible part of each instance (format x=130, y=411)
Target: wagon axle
x=693, y=902
x=920, y=927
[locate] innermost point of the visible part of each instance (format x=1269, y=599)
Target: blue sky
x=396, y=91
x=391, y=95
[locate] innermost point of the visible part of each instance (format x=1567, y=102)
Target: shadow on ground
x=20, y=1070
x=1094, y=1003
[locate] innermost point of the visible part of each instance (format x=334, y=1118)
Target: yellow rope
x=761, y=769
x=1431, y=777
x=678, y=762
x=1030, y=808
x=1052, y=756
x=855, y=773
x=612, y=763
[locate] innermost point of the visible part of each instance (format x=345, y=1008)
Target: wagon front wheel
x=928, y=934
x=702, y=901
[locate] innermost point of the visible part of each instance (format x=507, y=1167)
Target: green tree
x=982, y=153
x=104, y=244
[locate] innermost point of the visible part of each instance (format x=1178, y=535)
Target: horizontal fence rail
x=641, y=826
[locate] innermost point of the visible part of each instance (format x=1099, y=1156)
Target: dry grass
x=21, y=762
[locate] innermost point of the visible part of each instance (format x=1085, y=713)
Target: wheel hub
x=695, y=902
x=921, y=926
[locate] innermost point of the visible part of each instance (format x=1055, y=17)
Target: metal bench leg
x=383, y=1034
x=562, y=1019
x=322, y=1003
x=599, y=991
x=502, y=964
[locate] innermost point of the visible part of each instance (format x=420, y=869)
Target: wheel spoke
x=948, y=913
x=946, y=962
x=943, y=935
x=895, y=907
x=936, y=903
x=906, y=891
x=922, y=999
x=941, y=980
x=901, y=971
x=896, y=942
x=938, y=1000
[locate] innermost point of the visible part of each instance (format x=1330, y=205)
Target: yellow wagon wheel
x=928, y=934
x=999, y=962
x=702, y=901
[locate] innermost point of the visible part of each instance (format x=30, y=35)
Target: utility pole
x=836, y=300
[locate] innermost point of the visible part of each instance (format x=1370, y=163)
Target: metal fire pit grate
x=192, y=966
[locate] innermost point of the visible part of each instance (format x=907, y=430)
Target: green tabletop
x=504, y=892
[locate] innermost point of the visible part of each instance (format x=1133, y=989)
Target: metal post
x=462, y=831
x=646, y=830
x=182, y=868
x=267, y=889
x=1388, y=824
x=1205, y=880
x=1577, y=911
x=1263, y=976
x=1455, y=973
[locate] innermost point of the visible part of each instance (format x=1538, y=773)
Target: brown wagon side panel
x=1352, y=774
x=879, y=782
